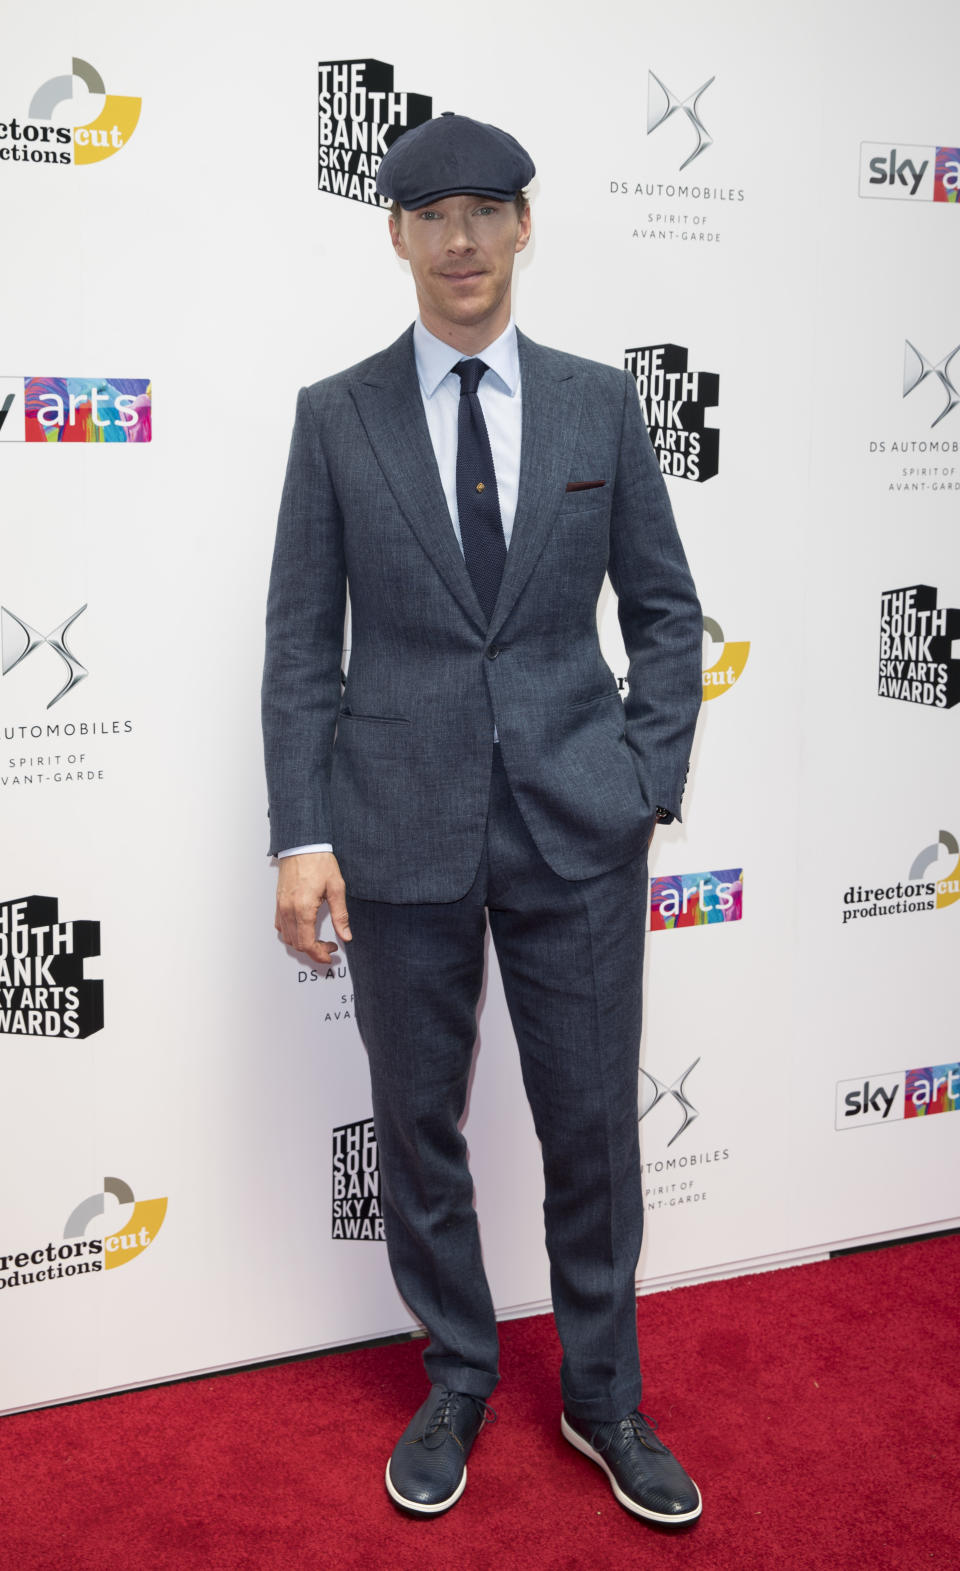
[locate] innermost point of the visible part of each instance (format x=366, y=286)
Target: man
x=473, y=489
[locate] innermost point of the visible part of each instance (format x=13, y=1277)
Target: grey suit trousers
x=570, y=954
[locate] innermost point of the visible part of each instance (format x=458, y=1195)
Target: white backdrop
x=200, y=257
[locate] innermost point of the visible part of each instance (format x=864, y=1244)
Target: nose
x=459, y=239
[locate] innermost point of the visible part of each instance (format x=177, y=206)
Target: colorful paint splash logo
x=946, y=174
x=726, y=667
x=696, y=899
x=54, y=131
x=75, y=409
x=904, y=1093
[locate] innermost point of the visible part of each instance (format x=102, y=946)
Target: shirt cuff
x=302, y=851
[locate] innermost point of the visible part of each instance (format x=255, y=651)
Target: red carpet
x=816, y=1407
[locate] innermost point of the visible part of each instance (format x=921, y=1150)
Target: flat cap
x=451, y=155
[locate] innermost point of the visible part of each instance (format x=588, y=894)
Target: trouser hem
x=607, y=1409
x=458, y=1377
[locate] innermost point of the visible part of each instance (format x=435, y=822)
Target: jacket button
x=492, y=652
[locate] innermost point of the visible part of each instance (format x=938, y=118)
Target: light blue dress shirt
x=500, y=400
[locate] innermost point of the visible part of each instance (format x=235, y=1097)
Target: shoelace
x=443, y=1413
x=645, y=1430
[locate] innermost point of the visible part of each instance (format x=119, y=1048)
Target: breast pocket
x=351, y=714
x=596, y=500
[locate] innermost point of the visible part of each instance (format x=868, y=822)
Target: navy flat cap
x=452, y=155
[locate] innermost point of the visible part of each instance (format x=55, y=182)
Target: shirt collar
x=435, y=359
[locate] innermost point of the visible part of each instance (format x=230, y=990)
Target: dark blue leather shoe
x=643, y=1474
x=427, y=1472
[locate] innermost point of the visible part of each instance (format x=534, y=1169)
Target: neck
x=468, y=338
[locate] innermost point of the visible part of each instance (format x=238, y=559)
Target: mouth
x=461, y=278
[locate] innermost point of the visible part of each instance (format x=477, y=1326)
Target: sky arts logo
x=71, y=120
x=360, y=117
x=723, y=662
x=919, y=648
x=696, y=899
x=78, y=1255
x=43, y=991
x=675, y=403
x=662, y=104
x=75, y=409
x=357, y=1210
x=922, y=893
x=904, y=1093
x=905, y=173
x=18, y=640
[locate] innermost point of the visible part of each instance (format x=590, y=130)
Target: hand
x=303, y=884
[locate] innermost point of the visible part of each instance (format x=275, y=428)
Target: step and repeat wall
x=751, y=207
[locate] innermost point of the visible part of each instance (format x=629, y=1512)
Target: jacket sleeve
x=659, y=613
x=305, y=612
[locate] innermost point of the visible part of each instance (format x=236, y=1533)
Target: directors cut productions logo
x=721, y=671
x=919, y=648
x=922, y=893
x=43, y=991
x=54, y=131
x=905, y=173
x=75, y=409
x=675, y=403
x=696, y=899
x=78, y=1255
x=360, y=117
x=357, y=1210
x=904, y=1093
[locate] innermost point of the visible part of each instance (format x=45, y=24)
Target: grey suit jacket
x=395, y=771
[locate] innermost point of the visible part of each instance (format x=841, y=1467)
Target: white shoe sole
x=586, y=1449
x=417, y=1505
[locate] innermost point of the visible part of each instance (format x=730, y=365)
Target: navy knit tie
x=478, y=504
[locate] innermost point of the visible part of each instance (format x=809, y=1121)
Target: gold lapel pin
x=481, y=486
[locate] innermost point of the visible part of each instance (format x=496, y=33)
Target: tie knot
x=469, y=372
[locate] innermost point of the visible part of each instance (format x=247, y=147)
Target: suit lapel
x=551, y=419
x=388, y=401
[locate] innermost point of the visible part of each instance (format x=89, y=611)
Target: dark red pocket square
x=584, y=485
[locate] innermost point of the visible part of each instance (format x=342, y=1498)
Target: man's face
x=461, y=252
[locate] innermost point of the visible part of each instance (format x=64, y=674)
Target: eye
x=428, y=212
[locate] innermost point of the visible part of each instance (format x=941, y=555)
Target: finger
x=324, y=952
x=298, y=933
x=337, y=901
x=319, y=949
x=305, y=926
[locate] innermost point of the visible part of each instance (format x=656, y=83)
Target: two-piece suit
x=431, y=821
x=402, y=794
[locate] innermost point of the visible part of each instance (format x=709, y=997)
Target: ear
x=396, y=238
x=523, y=230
